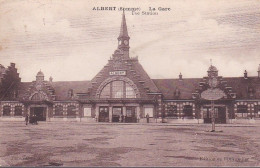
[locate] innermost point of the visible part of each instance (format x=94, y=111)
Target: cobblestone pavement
x=83, y=144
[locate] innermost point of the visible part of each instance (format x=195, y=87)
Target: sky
x=70, y=41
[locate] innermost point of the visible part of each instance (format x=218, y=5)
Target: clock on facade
x=125, y=42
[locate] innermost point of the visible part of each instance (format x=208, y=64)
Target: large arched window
x=118, y=89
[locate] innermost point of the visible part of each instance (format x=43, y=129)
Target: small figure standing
x=120, y=118
x=147, y=118
x=26, y=119
x=138, y=118
x=35, y=120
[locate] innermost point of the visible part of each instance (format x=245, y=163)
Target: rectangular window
x=149, y=111
x=171, y=111
x=87, y=111
x=71, y=111
x=130, y=111
x=117, y=111
x=6, y=111
x=18, y=111
x=205, y=113
x=58, y=110
x=242, y=111
x=257, y=110
x=187, y=110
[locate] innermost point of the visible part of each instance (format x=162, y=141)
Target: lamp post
x=212, y=93
x=212, y=116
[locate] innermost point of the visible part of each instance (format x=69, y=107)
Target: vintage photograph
x=168, y=83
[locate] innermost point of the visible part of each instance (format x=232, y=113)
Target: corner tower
x=123, y=38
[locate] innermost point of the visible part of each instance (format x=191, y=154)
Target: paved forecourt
x=108, y=144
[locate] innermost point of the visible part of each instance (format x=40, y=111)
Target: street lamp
x=212, y=94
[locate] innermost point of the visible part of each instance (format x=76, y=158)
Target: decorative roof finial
x=180, y=76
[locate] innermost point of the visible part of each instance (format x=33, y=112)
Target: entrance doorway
x=117, y=114
x=220, y=114
x=103, y=114
x=39, y=112
x=130, y=115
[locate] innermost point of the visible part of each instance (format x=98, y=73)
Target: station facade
x=123, y=92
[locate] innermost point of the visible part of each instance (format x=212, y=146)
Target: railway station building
x=123, y=92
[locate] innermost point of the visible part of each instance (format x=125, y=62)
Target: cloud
x=71, y=42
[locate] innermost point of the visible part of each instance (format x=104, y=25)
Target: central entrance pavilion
x=122, y=91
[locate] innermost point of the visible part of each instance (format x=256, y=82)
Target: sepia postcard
x=108, y=83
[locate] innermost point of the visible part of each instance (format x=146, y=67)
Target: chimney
x=180, y=77
x=13, y=65
x=50, y=79
x=258, y=71
x=245, y=74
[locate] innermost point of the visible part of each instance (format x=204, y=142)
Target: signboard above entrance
x=212, y=94
x=119, y=73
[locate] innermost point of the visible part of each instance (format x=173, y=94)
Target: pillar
x=12, y=110
x=110, y=113
x=124, y=110
x=138, y=113
x=47, y=113
x=96, y=113
x=227, y=112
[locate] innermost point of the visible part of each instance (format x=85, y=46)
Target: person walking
x=26, y=119
x=147, y=118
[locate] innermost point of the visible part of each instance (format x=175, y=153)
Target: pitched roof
x=61, y=88
x=167, y=87
x=185, y=86
x=145, y=77
x=241, y=86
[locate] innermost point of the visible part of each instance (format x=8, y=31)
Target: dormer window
x=15, y=94
x=177, y=93
x=70, y=93
x=250, y=92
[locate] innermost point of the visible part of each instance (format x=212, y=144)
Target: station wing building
x=123, y=92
